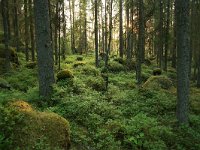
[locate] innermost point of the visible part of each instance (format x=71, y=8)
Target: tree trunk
x=26, y=30
x=121, y=40
x=183, y=50
x=44, y=48
x=16, y=25
x=96, y=34
x=32, y=39
x=167, y=34
x=4, y=10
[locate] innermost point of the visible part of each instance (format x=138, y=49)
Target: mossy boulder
x=157, y=71
x=4, y=84
x=13, y=54
x=97, y=84
x=79, y=58
x=90, y=70
x=44, y=129
x=120, y=60
x=64, y=74
x=114, y=66
x=158, y=82
x=147, y=62
x=2, y=65
x=31, y=65
x=79, y=64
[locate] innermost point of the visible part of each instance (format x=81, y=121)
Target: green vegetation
x=123, y=117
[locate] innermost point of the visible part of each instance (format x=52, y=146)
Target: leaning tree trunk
x=44, y=48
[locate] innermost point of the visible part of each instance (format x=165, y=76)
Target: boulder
x=46, y=129
x=64, y=74
x=158, y=82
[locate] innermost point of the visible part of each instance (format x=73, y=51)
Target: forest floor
x=124, y=117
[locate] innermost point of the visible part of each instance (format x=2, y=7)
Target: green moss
x=36, y=126
x=157, y=71
x=13, y=54
x=90, y=70
x=79, y=64
x=31, y=65
x=79, y=58
x=158, y=82
x=4, y=84
x=64, y=74
x=114, y=66
x=120, y=60
x=97, y=84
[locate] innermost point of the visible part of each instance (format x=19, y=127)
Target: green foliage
x=4, y=84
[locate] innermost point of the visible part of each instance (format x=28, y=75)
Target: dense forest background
x=100, y=74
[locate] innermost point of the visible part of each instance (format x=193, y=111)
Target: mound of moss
x=90, y=70
x=158, y=82
x=4, y=84
x=78, y=64
x=79, y=58
x=120, y=60
x=13, y=54
x=97, y=84
x=43, y=130
x=114, y=66
x=64, y=74
x=157, y=71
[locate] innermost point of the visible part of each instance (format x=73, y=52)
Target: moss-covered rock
x=158, y=82
x=79, y=64
x=13, y=54
x=4, y=84
x=120, y=60
x=3, y=65
x=64, y=74
x=97, y=84
x=44, y=129
x=79, y=58
x=90, y=70
x=114, y=66
x=157, y=71
x=31, y=65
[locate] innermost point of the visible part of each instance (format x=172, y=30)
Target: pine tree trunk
x=26, y=30
x=183, y=50
x=96, y=34
x=32, y=39
x=121, y=40
x=44, y=48
x=4, y=10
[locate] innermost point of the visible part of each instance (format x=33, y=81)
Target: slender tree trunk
x=56, y=35
x=106, y=35
x=96, y=34
x=167, y=34
x=32, y=39
x=4, y=10
x=110, y=27
x=183, y=49
x=44, y=48
x=26, y=30
x=121, y=40
x=16, y=25
x=64, y=31
x=140, y=40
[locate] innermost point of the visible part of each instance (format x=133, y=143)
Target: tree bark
x=44, y=48
x=183, y=50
